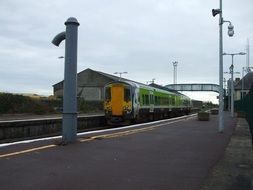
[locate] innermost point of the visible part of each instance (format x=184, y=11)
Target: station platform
x=27, y=117
x=170, y=154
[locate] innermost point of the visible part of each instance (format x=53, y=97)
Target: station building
x=90, y=85
x=243, y=86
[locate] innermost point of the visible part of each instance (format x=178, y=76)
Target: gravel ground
x=235, y=170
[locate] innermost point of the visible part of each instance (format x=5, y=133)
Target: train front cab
x=118, y=102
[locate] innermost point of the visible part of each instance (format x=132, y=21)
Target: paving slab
x=235, y=170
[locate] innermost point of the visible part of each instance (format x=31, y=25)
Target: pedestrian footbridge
x=194, y=87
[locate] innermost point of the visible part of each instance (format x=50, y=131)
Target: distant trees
x=19, y=104
x=15, y=104
x=89, y=106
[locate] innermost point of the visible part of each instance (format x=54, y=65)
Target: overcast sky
x=141, y=37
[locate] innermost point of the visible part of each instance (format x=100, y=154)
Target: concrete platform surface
x=168, y=155
x=235, y=170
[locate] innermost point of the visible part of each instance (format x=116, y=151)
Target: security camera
x=231, y=33
x=230, y=27
x=230, y=30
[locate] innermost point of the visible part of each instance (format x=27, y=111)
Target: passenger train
x=130, y=102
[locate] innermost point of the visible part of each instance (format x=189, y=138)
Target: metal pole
x=221, y=101
x=242, y=82
x=229, y=96
x=176, y=74
x=69, y=118
x=248, y=55
x=69, y=123
x=232, y=87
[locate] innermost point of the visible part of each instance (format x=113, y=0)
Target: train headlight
x=108, y=109
x=127, y=109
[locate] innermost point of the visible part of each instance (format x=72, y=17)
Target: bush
x=16, y=104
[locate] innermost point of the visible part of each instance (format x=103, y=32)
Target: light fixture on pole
x=152, y=81
x=221, y=93
x=232, y=79
x=120, y=73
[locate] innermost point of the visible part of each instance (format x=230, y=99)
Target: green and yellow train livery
x=127, y=101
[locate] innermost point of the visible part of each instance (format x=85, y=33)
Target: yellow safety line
x=27, y=151
x=119, y=134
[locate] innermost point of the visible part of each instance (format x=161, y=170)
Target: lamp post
x=226, y=92
x=230, y=87
x=175, y=63
x=230, y=33
x=120, y=73
x=232, y=79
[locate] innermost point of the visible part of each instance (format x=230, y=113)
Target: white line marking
x=44, y=119
x=100, y=131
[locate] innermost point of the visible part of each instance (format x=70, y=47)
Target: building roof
x=246, y=81
x=86, y=70
x=115, y=78
x=112, y=77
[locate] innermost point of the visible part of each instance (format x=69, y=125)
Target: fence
x=246, y=105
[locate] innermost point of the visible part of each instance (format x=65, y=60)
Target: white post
x=175, y=72
x=232, y=87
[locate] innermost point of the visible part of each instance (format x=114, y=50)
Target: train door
x=117, y=93
x=151, y=100
x=136, y=101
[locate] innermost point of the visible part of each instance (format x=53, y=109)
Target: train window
x=170, y=100
x=173, y=101
x=147, y=99
x=127, y=94
x=108, y=94
x=151, y=99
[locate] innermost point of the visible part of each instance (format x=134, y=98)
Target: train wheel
x=151, y=117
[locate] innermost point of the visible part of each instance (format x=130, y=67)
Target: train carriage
x=127, y=101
